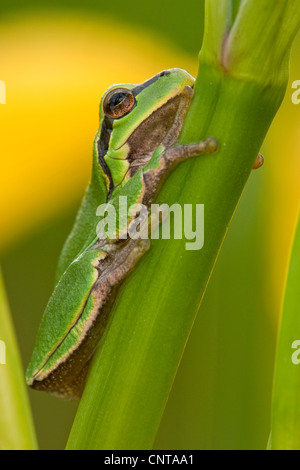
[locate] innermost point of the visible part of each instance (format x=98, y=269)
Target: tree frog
x=134, y=150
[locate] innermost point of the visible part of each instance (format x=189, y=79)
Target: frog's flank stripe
x=106, y=129
x=102, y=145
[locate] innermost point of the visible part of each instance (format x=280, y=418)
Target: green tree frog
x=134, y=150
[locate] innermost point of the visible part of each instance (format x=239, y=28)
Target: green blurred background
x=57, y=59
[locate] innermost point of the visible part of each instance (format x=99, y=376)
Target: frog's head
x=136, y=119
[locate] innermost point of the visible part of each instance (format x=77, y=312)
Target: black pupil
x=116, y=99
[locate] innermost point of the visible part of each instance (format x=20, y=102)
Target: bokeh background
x=57, y=58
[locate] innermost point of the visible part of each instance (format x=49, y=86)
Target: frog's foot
x=258, y=162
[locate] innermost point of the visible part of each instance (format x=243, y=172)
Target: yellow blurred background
x=56, y=64
x=56, y=68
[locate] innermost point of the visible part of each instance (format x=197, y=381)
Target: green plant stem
x=16, y=426
x=133, y=370
x=285, y=433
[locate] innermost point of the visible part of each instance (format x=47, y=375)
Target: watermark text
x=2, y=352
x=121, y=221
x=296, y=94
x=2, y=92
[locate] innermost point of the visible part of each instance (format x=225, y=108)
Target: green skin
x=133, y=153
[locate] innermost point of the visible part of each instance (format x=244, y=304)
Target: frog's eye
x=118, y=103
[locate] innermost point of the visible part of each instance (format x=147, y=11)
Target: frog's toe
x=258, y=162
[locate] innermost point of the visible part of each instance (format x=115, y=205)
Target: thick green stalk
x=16, y=426
x=285, y=434
x=235, y=101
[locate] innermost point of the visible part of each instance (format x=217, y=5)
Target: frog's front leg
x=208, y=146
x=163, y=160
x=179, y=153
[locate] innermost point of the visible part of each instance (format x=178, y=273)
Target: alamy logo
x=2, y=352
x=120, y=221
x=296, y=94
x=296, y=355
x=2, y=92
